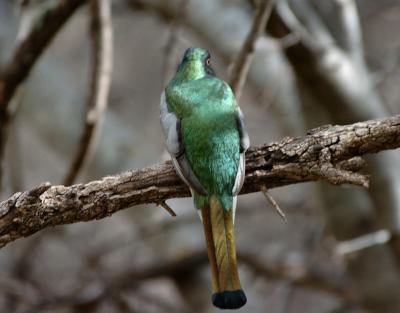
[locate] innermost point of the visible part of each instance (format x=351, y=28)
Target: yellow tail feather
x=220, y=239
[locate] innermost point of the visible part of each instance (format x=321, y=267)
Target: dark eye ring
x=208, y=61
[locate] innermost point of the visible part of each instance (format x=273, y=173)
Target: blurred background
x=318, y=62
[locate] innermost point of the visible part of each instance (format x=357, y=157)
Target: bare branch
x=352, y=34
x=327, y=70
x=274, y=204
x=30, y=49
x=26, y=54
x=288, y=161
x=102, y=56
x=167, y=208
x=243, y=61
x=363, y=242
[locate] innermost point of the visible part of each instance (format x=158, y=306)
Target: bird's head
x=195, y=64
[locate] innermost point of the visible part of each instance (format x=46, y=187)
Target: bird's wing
x=244, y=145
x=244, y=136
x=171, y=126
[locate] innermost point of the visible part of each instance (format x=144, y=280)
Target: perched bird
x=206, y=138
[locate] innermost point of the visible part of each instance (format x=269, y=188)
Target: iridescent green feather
x=207, y=108
x=205, y=136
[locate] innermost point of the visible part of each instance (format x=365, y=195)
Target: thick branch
x=102, y=55
x=329, y=153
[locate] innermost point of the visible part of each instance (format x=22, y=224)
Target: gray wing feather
x=170, y=123
x=184, y=170
x=171, y=126
x=244, y=136
x=244, y=145
x=240, y=175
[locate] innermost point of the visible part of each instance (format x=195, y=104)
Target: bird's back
x=205, y=136
x=209, y=132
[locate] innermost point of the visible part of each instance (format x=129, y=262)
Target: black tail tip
x=229, y=299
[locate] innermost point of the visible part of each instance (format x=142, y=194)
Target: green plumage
x=207, y=108
x=205, y=135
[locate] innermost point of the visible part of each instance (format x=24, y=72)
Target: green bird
x=205, y=136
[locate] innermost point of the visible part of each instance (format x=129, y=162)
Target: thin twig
x=273, y=202
x=243, y=61
x=102, y=55
x=298, y=33
x=164, y=205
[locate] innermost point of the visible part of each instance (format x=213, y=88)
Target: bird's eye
x=208, y=61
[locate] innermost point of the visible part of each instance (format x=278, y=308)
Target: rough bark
x=329, y=153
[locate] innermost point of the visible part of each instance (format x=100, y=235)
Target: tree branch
x=352, y=34
x=102, y=56
x=26, y=54
x=243, y=61
x=33, y=46
x=329, y=153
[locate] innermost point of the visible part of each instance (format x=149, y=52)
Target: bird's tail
x=220, y=239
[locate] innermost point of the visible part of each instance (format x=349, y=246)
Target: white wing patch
x=171, y=128
x=244, y=136
x=169, y=123
x=244, y=145
x=239, y=175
